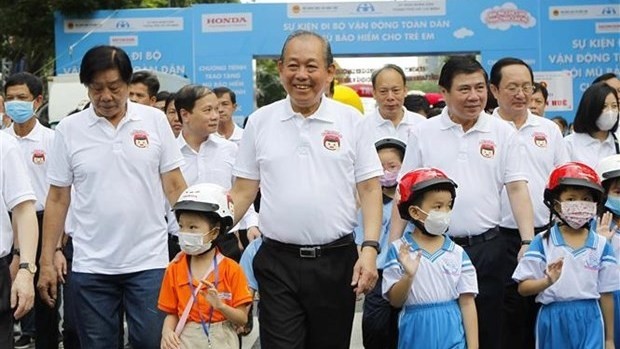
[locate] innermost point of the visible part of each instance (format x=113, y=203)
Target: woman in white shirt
x=595, y=126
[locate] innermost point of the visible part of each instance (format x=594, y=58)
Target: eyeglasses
x=514, y=89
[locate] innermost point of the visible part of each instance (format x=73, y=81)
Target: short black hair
x=496, y=70
x=561, y=120
x=171, y=97
x=327, y=49
x=459, y=65
x=162, y=96
x=416, y=104
x=102, y=58
x=394, y=67
x=542, y=87
x=187, y=96
x=34, y=84
x=590, y=108
x=147, y=78
x=604, y=78
x=222, y=90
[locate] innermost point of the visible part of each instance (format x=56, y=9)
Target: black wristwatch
x=372, y=243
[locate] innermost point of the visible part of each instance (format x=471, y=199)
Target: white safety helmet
x=609, y=168
x=207, y=197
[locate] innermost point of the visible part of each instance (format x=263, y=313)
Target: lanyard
x=194, y=292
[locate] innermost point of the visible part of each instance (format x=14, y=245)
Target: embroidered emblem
x=540, y=139
x=487, y=149
x=38, y=157
x=140, y=138
x=331, y=140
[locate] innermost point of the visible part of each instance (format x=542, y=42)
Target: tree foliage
x=268, y=84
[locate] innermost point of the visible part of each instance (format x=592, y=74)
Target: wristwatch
x=372, y=243
x=31, y=267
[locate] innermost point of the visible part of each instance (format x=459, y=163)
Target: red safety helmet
x=573, y=174
x=417, y=182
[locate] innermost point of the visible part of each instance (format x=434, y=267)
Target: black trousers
x=487, y=257
x=6, y=313
x=379, y=320
x=519, y=313
x=306, y=303
x=69, y=325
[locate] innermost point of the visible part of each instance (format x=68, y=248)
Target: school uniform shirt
x=35, y=148
x=247, y=260
x=118, y=197
x=378, y=127
x=175, y=292
x=308, y=168
x=15, y=188
x=442, y=276
x=586, y=149
x=587, y=272
x=236, y=136
x=543, y=149
x=212, y=163
x=481, y=161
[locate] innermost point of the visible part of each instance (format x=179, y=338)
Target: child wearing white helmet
x=204, y=293
x=609, y=224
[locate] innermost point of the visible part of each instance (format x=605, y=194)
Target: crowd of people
x=480, y=227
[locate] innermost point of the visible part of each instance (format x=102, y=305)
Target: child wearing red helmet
x=571, y=268
x=426, y=273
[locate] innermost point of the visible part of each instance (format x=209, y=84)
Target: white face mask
x=193, y=244
x=436, y=222
x=607, y=120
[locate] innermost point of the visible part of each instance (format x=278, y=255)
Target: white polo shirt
x=236, y=136
x=544, y=149
x=481, y=161
x=15, y=187
x=586, y=149
x=213, y=163
x=117, y=202
x=442, y=276
x=378, y=127
x=308, y=169
x=587, y=272
x=35, y=148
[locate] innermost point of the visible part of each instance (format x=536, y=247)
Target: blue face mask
x=613, y=204
x=19, y=111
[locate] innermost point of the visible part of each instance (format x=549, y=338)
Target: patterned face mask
x=577, y=213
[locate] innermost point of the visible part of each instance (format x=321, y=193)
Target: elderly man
x=309, y=154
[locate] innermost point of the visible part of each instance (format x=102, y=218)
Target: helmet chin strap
x=420, y=226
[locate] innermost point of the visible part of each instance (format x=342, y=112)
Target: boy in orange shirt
x=204, y=293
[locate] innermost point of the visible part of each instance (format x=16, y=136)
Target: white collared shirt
x=544, y=149
x=308, y=168
x=586, y=149
x=212, y=163
x=35, y=148
x=236, y=136
x=118, y=199
x=15, y=187
x=442, y=276
x=378, y=127
x=587, y=271
x=481, y=161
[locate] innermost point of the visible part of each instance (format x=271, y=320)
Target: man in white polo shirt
x=482, y=154
x=309, y=154
x=227, y=128
x=122, y=161
x=24, y=95
x=511, y=82
x=390, y=118
x=16, y=196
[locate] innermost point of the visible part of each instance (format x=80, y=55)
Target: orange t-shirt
x=175, y=292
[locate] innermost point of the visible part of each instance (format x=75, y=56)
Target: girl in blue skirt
x=571, y=268
x=426, y=273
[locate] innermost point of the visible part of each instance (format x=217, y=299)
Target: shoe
x=23, y=342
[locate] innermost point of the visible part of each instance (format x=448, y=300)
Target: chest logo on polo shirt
x=592, y=262
x=140, y=138
x=487, y=148
x=331, y=140
x=38, y=157
x=540, y=139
